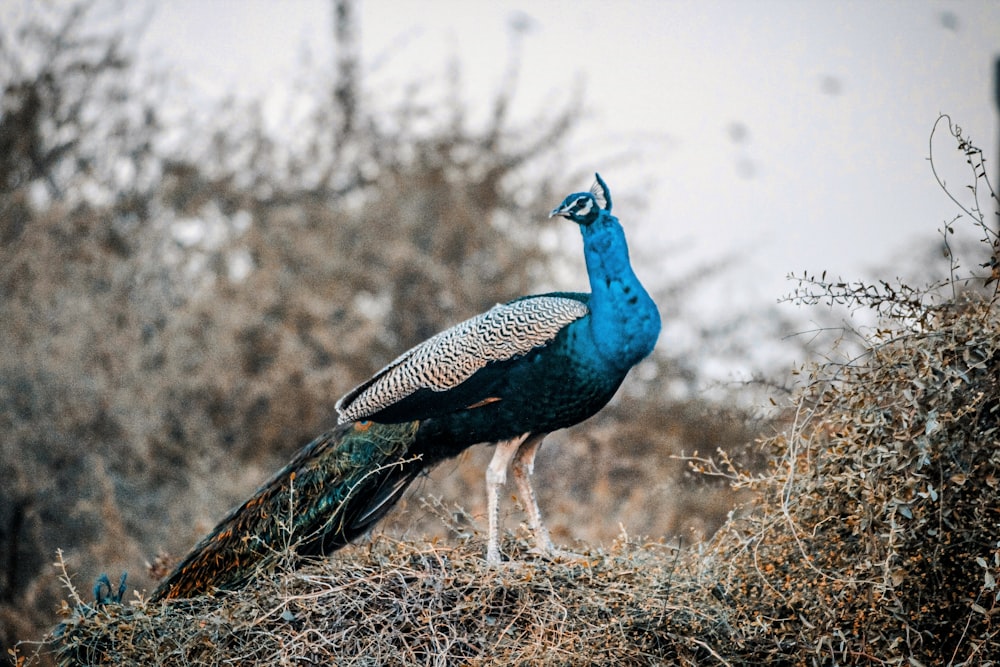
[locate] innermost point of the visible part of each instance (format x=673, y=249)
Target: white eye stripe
x=584, y=209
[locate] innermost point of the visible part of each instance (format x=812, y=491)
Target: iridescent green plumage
x=334, y=489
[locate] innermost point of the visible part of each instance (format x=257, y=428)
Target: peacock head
x=584, y=208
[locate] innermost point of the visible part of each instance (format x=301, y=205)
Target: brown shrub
x=877, y=541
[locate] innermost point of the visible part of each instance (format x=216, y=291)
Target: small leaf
x=932, y=423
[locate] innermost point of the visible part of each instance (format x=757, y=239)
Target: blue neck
x=624, y=320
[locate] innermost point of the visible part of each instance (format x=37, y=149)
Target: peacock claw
x=104, y=594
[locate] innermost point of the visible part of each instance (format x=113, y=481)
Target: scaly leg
x=496, y=475
x=523, y=468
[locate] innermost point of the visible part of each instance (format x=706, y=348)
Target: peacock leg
x=496, y=476
x=523, y=467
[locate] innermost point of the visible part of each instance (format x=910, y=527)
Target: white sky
x=820, y=180
x=838, y=181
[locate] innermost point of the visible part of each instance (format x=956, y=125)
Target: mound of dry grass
x=400, y=603
x=875, y=541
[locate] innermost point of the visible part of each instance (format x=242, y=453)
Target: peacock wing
x=446, y=360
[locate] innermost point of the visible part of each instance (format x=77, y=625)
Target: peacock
x=519, y=371
x=508, y=376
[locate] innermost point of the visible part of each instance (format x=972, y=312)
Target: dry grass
x=875, y=542
x=399, y=603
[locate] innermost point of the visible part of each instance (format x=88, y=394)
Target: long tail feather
x=333, y=491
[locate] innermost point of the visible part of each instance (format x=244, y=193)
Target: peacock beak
x=558, y=210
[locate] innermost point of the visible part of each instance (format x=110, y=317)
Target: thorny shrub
x=876, y=540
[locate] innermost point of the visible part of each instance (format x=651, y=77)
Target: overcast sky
x=795, y=129
x=792, y=132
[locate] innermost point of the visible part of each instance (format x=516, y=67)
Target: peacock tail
x=332, y=491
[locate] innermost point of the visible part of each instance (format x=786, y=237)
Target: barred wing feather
x=440, y=363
